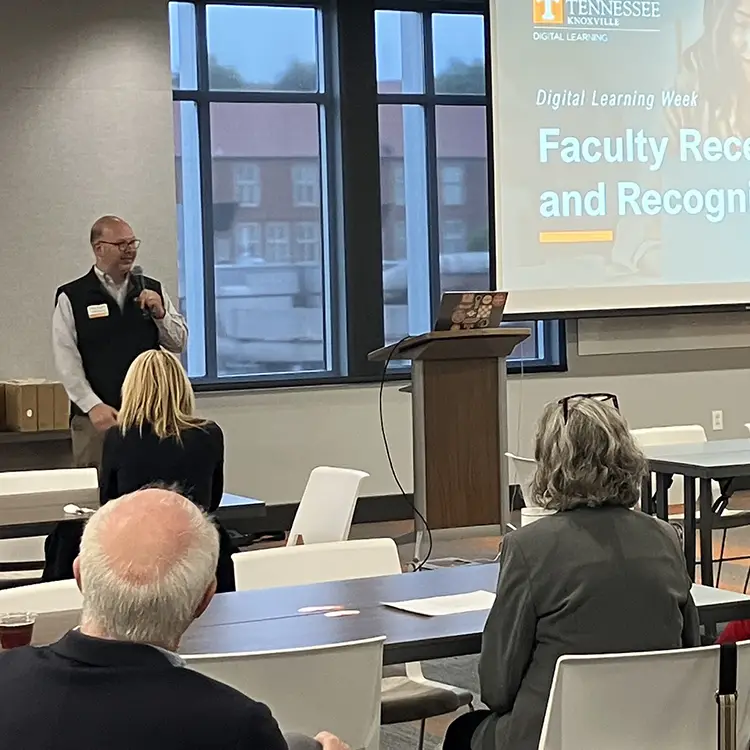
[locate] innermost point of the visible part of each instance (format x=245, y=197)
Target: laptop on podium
x=463, y=311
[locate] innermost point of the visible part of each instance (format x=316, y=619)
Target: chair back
x=19, y=550
x=648, y=437
x=326, y=509
x=51, y=596
x=315, y=563
x=53, y=487
x=47, y=480
x=523, y=473
x=743, y=694
x=336, y=687
x=598, y=701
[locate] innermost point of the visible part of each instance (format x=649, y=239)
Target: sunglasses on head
x=601, y=397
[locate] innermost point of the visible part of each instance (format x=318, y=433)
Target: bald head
x=107, y=224
x=147, y=567
x=143, y=537
x=115, y=246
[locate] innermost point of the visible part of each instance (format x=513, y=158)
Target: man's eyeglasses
x=602, y=397
x=124, y=245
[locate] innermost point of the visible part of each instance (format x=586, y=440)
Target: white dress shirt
x=173, y=335
x=174, y=659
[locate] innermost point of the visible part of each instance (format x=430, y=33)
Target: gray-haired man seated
x=146, y=571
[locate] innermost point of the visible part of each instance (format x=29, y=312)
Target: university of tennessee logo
x=548, y=11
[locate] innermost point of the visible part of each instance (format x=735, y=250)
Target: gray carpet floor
x=460, y=671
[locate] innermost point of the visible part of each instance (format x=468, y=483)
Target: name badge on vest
x=97, y=311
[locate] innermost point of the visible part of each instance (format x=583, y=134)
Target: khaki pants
x=87, y=443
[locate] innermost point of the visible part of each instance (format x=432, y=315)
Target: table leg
x=689, y=526
x=662, y=500
x=647, y=504
x=706, y=540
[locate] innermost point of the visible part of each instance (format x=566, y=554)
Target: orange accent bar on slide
x=578, y=235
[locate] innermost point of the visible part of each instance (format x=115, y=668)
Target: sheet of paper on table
x=472, y=601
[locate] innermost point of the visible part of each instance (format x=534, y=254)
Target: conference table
x=720, y=460
x=286, y=618
x=37, y=514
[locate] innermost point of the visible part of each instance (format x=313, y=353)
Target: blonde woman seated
x=158, y=439
x=595, y=577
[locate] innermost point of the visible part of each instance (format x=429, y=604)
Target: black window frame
x=350, y=157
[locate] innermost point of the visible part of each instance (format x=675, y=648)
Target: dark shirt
x=134, y=460
x=109, y=343
x=83, y=693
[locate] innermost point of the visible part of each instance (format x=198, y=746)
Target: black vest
x=108, y=343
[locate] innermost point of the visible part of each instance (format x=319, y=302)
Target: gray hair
x=159, y=609
x=590, y=460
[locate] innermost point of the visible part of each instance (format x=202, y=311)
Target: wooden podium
x=459, y=424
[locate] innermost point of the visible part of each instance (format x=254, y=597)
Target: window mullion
x=207, y=212
x=433, y=170
x=358, y=180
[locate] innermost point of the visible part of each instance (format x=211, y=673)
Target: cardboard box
x=21, y=406
x=35, y=405
x=45, y=406
x=62, y=408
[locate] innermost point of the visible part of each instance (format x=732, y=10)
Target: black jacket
x=83, y=693
x=134, y=460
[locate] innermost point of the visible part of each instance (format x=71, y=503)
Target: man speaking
x=102, y=322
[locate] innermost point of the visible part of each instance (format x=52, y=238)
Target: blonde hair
x=156, y=392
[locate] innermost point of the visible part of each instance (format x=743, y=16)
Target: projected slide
x=622, y=136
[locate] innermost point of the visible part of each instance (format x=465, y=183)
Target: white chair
x=48, y=480
x=315, y=563
x=523, y=473
x=326, y=509
x=598, y=701
x=336, y=688
x=78, y=486
x=407, y=694
x=51, y=596
x=25, y=552
x=743, y=694
x=747, y=426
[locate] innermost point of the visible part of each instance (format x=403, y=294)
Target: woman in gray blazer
x=593, y=578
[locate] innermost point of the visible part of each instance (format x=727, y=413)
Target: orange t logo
x=548, y=11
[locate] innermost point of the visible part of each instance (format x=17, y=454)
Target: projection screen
x=621, y=134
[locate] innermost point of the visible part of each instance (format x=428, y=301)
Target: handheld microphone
x=136, y=274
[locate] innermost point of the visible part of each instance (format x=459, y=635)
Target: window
x=249, y=118
x=308, y=242
x=305, y=188
x=276, y=154
x=247, y=184
x=248, y=242
x=398, y=183
x=277, y=242
x=433, y=131
x=399, y=240
x=452, y=185
x=453, y=238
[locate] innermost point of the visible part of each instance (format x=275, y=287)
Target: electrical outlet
x=717, y=420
